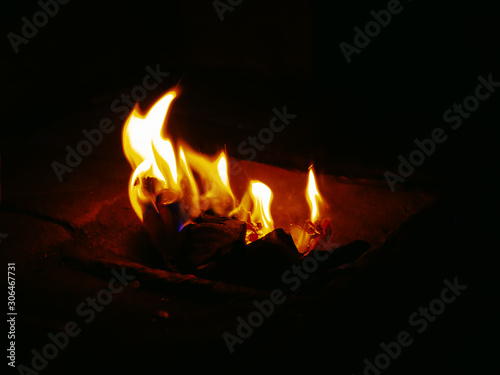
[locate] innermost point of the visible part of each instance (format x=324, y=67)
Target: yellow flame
x=262, y=197
x=140, y=129
x=159, y=166
x=188, y=173
x=222, y=169
x=313, y=197
x=165, y=160
x=191, y=188
x=148, y=153
x=214, y=180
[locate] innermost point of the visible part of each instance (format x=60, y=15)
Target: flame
x=255, y=210
x=305, y=236
x=192, y=187
x=214, y=180
x=222, y=169
x=196, y=182
x=262, y=197
x=159, y=166
x=148, y=153
x=313, y=197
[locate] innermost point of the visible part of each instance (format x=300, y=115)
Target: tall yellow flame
x=148, y=153
x=314, y=199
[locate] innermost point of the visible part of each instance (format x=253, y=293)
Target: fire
x=143, y=146
x=222, y=169
x=255, y=210
x=167, y=172
x=314, y=199
x=159, y=166
x=262, y=197
x=305, y=235
x=192, y=187
x=214, y=180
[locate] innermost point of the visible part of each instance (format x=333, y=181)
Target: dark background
x=265, y=55
x=353, y=119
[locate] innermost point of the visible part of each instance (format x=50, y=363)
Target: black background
x=266, y=55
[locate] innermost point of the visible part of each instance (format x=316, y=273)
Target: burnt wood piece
x=274, y=251
x=205, y=238
x=260, y=264
x=164, y=235
x=163, y=217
